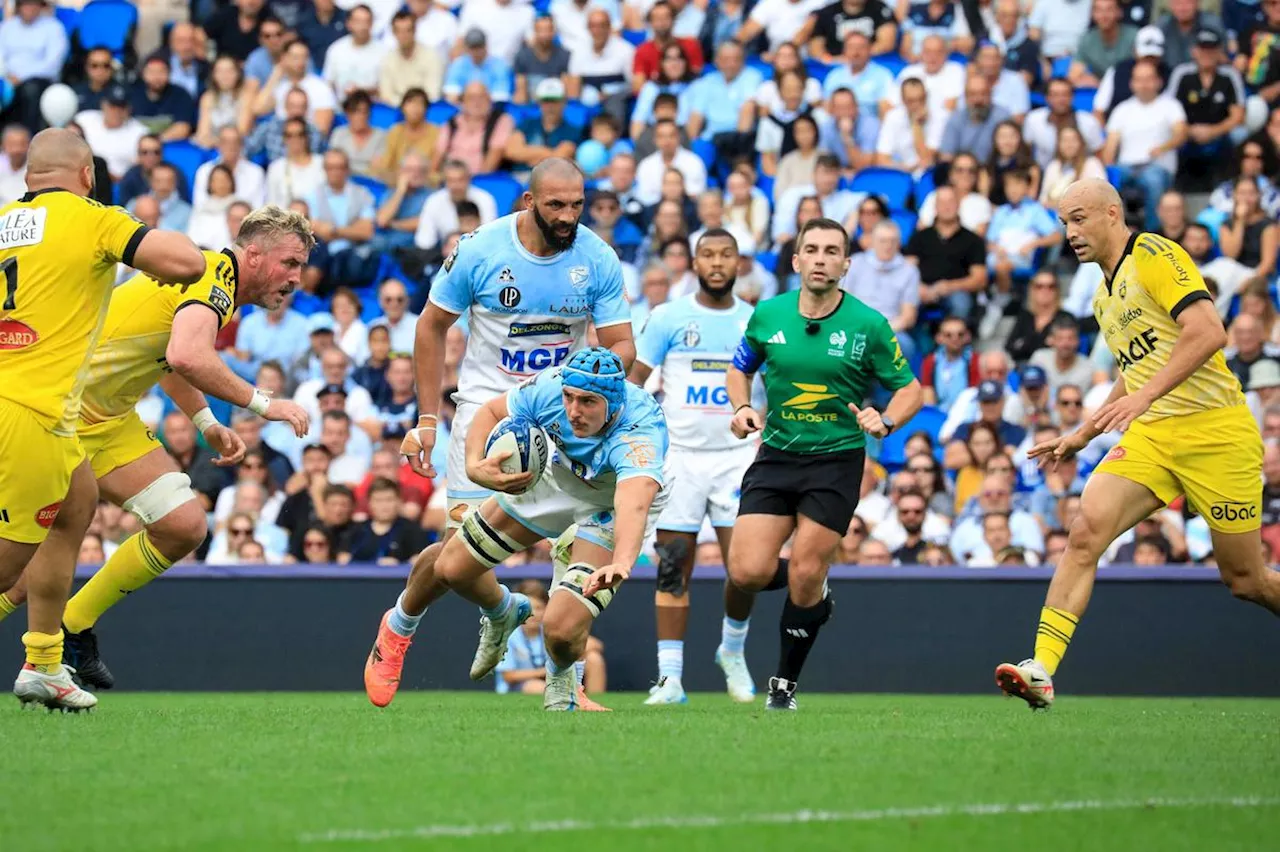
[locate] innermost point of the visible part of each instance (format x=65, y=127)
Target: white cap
x=549, y=89
x=1264, y=374
x=1149, y=42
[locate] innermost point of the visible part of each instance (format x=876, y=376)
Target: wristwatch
x=889, y=424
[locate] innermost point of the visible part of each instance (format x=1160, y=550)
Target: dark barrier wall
x=894, y=630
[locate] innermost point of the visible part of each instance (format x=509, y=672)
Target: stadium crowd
x=940, y=133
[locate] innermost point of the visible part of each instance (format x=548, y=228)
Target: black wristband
x=740, y=407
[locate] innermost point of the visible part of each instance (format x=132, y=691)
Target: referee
x=822, y=349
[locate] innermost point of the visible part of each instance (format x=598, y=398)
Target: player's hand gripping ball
x=520, y=447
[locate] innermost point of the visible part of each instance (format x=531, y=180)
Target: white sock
x=671, y=658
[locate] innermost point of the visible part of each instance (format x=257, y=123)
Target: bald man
x=531, y=281
x=1186, y=428
x=58, y=254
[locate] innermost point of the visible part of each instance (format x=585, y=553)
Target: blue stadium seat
x=521, y=112
x=925, y=184
x=440, y=112
x=1037, y=100
x=187, y=157
x=959, y=59
x=765, y=69
x=890, y=184
x=893, y=448
x=1113, y=175
x=1061, y=66
x=503, y=187
x=906, y=222
x=706, y=152
x=1083, y=100
x=892, y=62
x=765, y=184
x=769, y=260
x=383, y=116
x=817, y=70
x=67, y=17
x=634, y=37
x=107, y=23
x=576, y=112
x=375, y=186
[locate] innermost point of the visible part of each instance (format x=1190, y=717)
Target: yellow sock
x=7, y=607
x=132, y=566
x=1053, y=636
x=44, y=651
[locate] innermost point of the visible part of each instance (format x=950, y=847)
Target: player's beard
x=717, y=292
x=550, y=235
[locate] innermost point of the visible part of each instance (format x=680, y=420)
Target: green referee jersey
x=810, y=378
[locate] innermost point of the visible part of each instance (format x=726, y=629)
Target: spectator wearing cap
x=607, y=222
x=1263, y=388
x=1061, y=359
x=1182, y=26
x=1033, y=390
x=1116, y=85
x=1212, y=96
x=950, y=368
x=1109, y=41
x=548, y=135
x=476, y=65
x=973, y=124
x=1144, y=134
x=504, y=23
x=409, y=64
x=991, y=408
x=883, y=279
x=33, y=48
x=167, y=110
x=112, y=131
x=1042, y=125
x=1058, y=25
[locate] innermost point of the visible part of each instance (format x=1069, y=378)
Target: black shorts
x=823, y=487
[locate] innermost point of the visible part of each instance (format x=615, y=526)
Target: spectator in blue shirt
x=398, y=215
x=1017, y=230
x=869, y=81
x=548, y=135
x=321, y=25
x=476, y=65
x=716, y=100
x=279, y=335
x=848, y=132
x=606, y=220
x=187, y=70
x=33, y=47
x=268, y=136
x=164, y=108
x=674, y=78
x=342, y=213
x=175, y=213
x=523, y=669
x=972, y=126
x=273, y=40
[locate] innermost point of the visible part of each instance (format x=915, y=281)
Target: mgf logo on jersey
x=521, y=362
x=16, y=335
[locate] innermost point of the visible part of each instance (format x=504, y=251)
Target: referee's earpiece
x=811, y=327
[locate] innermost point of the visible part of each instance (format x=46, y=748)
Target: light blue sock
x=554, y=668
x=671, y=658
x=501, y=609
x=733, y=635
x=580, y=670
x=401, y=622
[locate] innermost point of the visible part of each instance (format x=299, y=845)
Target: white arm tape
x=204, y=420
x=258, y=403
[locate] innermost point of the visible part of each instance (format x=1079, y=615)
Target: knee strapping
x=488, y=545
x=573, y=582
x=672, y=556
x=168, y=492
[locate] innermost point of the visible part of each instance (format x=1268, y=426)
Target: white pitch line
x=429, y=832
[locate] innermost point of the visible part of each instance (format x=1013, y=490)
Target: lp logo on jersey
x=692, y=335
x=509, y=297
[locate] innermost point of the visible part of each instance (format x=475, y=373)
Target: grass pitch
x=470, y=771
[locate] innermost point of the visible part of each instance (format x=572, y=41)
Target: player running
x=531, y=281
x=606, y=477
x=58, y=256
x=821, y=348
x=159, y=333
x=1186, y=427
x=692, y=340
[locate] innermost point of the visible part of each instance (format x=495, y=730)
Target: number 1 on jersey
x=10, y=269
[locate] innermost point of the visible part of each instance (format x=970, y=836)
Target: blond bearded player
x=1186, y=427
x=58, y=257
x=165, y=333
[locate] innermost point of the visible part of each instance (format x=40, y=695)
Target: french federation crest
x=837, y=342
x=578, y=276
x=692, y=336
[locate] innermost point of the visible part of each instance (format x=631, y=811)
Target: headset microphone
x=811, y=327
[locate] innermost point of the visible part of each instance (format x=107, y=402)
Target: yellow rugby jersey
x=1137, y=311
x=58, y=256
x=130, y=357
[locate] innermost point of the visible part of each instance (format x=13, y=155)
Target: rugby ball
x=528, y=444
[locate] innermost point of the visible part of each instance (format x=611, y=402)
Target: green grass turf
x=279, y=771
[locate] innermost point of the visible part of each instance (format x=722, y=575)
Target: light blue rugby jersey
x=589, y=468
x=694, y=346
x=528, y=313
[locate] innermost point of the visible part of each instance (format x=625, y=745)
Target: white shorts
x=549, y=510
x=709, y=486
x=462, y=493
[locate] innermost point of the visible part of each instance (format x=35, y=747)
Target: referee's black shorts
x=823, y=487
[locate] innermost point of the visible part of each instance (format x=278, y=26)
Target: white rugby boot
x=494, y=634
x=54, y=691
x=1027, y=680
x=668, y=690
x=737, y=677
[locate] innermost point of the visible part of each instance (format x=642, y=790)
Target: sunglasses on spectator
x=858, y=530
x=314, y=543
x=240, y=531
x=1074, y=403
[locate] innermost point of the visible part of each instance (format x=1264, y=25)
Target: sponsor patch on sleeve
x=220, y=300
